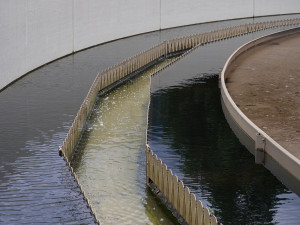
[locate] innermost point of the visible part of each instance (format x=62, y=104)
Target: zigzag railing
x=120, y=73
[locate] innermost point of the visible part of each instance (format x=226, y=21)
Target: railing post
x=260, y=149
x=166, y=49
x=165, y=180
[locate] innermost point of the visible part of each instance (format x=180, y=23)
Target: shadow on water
x=189, y=133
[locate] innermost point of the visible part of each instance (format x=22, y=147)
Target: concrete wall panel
x=101, y=21
x=182, y=12
x=34, y=32
x=49, y=31
x=276, y=7
x=12, y=40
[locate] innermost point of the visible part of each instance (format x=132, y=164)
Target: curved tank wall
x=35, y=32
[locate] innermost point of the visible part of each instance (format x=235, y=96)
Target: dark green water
x=36, y=186
x=196, y=142
x=189, y=132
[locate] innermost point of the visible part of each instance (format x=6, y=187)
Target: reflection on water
x=35, y=115
x=189, y=133
x=111, y=163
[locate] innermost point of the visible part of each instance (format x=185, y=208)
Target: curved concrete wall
x=34, y=32
x=283, y=164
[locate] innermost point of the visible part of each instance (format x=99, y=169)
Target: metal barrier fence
x=117, y=74
x=104, y=80
x=176, y=193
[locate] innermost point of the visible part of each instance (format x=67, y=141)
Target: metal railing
x=118, y=74
x=177, y=195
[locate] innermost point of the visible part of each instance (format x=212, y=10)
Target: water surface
x=110, y=160
x=189, y=132
x=36, y=113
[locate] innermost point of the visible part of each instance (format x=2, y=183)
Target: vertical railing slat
x=181, y=198
x=193, y=210
x=206, y=217
x=165, y=180
x=199, y=213
x=187, y=205
x=170, y=186
x=213, y=220
x=175, y=192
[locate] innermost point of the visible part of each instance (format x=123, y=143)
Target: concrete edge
x=264, y=146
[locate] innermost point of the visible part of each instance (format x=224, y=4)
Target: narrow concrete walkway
x=265, y=85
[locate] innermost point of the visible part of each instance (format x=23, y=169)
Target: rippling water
x=36, y=113
x=110, y=161
x=189, y=133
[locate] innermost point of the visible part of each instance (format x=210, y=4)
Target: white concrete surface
x=32, y=33
x=101, y=21
x=275, y=7
x=35, y=32
x=183, y=12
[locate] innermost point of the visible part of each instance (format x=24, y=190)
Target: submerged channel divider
x=118, y=74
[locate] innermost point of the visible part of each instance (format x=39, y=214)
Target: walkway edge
x=261, y=145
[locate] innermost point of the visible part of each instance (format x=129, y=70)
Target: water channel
x=189, y=133
x=36, y=113
x=110, y=160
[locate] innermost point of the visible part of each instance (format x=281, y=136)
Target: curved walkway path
x=265, y=84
